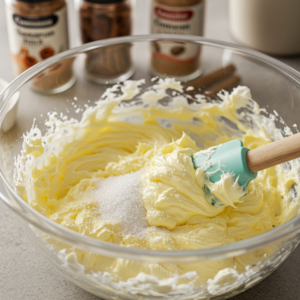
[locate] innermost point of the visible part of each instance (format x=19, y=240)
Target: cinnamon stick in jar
x=102, y=19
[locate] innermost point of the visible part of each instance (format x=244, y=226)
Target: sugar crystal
x=120, y=200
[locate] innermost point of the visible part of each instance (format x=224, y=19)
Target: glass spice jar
x=102, y=19
x=37, y=30
x=177, y=59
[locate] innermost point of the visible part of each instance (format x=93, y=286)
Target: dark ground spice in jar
x=102, y=19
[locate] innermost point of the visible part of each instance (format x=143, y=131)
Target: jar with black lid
x=103, y=19
x=37, y=30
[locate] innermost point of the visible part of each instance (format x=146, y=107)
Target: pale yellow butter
x=57, y=177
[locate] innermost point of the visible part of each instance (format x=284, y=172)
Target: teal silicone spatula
x=233, y=158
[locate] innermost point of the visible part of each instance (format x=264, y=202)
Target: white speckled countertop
x=25, y=275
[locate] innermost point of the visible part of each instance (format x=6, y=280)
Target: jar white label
x=33, y=39
x=188, y=20
x=176, y=59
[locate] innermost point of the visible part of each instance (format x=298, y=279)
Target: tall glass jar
x=102, y=19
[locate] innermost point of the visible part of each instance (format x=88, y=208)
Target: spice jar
x=37, y=30
x=102, y=19
x=177, y=59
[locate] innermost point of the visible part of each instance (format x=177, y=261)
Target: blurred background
x=267, y=26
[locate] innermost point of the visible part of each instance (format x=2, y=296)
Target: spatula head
x=226, y=158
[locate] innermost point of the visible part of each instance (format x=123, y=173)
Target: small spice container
x=38, y=29
x=102, y=19
x=180, y=60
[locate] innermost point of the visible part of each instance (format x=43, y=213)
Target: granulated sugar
x=120, y=200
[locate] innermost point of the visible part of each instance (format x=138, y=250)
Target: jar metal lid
x=104, y=1
x=34, y=1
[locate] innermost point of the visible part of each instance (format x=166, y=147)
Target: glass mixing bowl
x=273, y=85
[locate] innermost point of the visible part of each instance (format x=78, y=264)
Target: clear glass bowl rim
x=30, y=215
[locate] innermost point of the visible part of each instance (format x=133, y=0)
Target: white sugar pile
x=120, y=200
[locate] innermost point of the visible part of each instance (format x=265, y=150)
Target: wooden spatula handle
x=274, y=154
